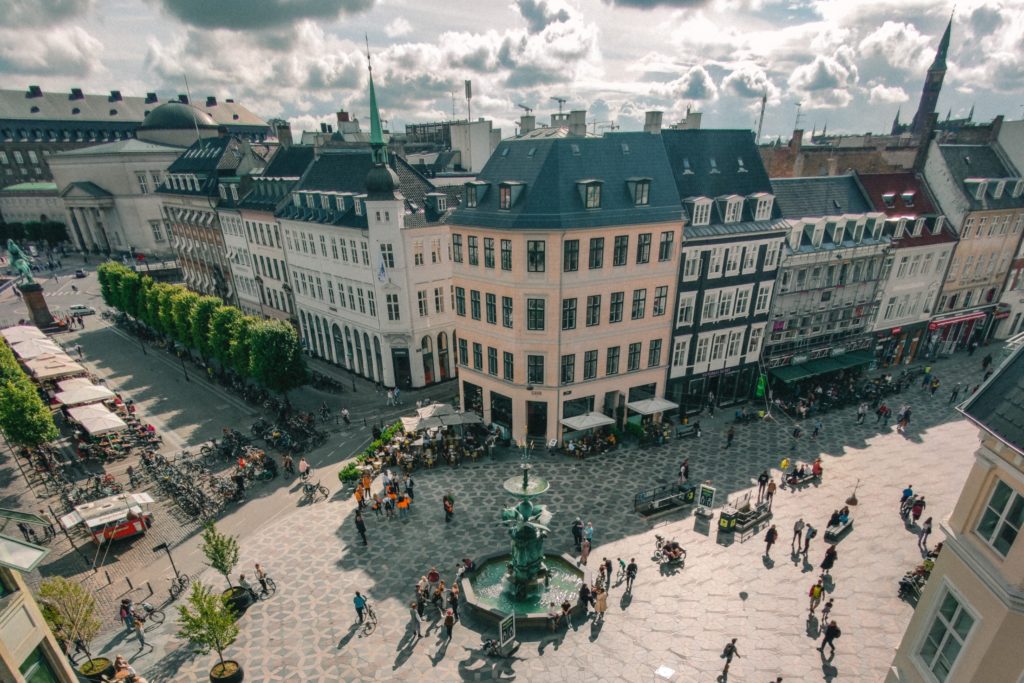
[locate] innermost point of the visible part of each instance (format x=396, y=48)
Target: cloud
x=540, y=13
x=398, y=26
x=66, y=51
x=695, y=84
x=897, y=44
x=749, y=80
x=882, y=94
x=828, y=80
x=653, y=4
x=44, y=13
x=245, y=16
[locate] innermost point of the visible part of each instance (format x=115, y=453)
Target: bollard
x=130, y=586
x=108, y=577
x=149, y=588
x=364, y=421
x=353, y=385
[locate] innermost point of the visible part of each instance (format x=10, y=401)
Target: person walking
x=818, y=427
x=588, y=532
x=880, y=412
x=798, y=532
x=935, y=385
x=631, y=570
x=826, y=610
x=809, y=533
x=926, y=380
x=304, y=468
x=608, y=574
x=584, y=598
x=449, y=507
x=577, y=533
x=922, y=535
x=956, y=392
x=796, y=437
x=986, y=361
x=904, y=420
x=917, y=508
x=762, y=484
x=414, y=621
x=769, y=540
x=907, y=494
x=831, y=633
x=137, y=623
x=770, y=493
x=410, y=489
x=449, y=624
x=728, y=653
x=453, y=600
x=126, y=615
x=360, y=603
x=862, y=411
x=601, y=603
x=684, y=471
x=815, y=594
x=361, y=526
x=729, y=436
x=831, y=555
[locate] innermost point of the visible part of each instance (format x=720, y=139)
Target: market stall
x=114, y=517
x=34, y=348
x=96, y=419
x=53, y=366
x=20, y=333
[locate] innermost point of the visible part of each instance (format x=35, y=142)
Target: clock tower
x=932, y=84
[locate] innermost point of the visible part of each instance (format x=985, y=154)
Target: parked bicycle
x=313, y=492
x=154, y=614
x=178, y=585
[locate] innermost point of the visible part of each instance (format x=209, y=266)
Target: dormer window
x=733, y=206
x=234, y=192
x=590, y=193
x=474, y=193
x=701, y=211
x=741, y=167
x=940, y=221
x=639, y=190
x=874, y=227
x=858, y=233
x=918, y=226
x=908, y=199
x=1018, y=189
x=838, y=234
x=714, y=164
x=358, y=203
x=889, y=199
x=297, y=201
x=471, y=196
x=223, y=191
x=686, y=167
x=898, y=230
x=997, y=189
x=979, y=191
x=325, y=201
x=818, y=234
x=508, y=193
x=763, y=207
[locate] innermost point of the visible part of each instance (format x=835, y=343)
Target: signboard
x=507, y=630
x=707, y=496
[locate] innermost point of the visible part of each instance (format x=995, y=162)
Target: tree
x=69, y=608
x=221, y=550
x=207, y=622
x=275, y=359
x=128, y=293
x=164, y=307
x=222, y=331
x=202, y=314
x=241, y=344
x=182, y=304
x=142, y=300
x=26, y=421
x=109, y=276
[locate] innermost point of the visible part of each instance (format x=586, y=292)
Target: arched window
x=442, y=356
x=380, y=360
x=349, y=351
x=359, y=353
x=339, y=345
x=427, y=354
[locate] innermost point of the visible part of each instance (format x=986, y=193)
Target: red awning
x=977, y=315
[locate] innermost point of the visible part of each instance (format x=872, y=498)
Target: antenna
x=453, y=103
x=528, y=110
x=607, y=125
x=469, y=101
x=760, y=119
x=195, y=120
x=561, y=101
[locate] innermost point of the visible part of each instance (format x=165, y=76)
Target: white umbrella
x=650, y=406
x=96, y=419
x=81, y=395
x=435, y=410
x=20, y=333
x=33, y=348
x=587, y=421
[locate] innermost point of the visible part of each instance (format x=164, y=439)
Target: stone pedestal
x=38, y=311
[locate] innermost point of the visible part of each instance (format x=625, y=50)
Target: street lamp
x=166, y=548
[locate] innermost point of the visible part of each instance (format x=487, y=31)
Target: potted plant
x=208, y=623
x=71, y=609
x=221, y=552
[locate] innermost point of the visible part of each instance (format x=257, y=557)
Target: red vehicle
x=113, y=517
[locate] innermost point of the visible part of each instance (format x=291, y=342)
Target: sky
x=850, y=64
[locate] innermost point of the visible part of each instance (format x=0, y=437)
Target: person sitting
x=244, y=583
x=844, y=515
x=834, y=519
x=673, y=551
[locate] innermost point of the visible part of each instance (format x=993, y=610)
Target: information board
x=507, y=629
x=707, y=496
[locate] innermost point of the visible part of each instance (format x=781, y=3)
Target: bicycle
x=154, y=614
x=313, y=492
x=369, y=619
x=178, y=585
x=270, y=590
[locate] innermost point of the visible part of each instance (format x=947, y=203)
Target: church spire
x=932, y=84
x=381, y=180
x=940, y=54
x=380, y=153
x=896, y=123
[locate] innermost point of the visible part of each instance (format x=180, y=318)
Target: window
x=362, y=299
x=568, y=314
x=764, y=209
x=611, y=363
x=734, y=344
x=902, y=269
x=654, y=353
x=702, y=350
x=596, y=252
x=571, y=256
x=158, y=231
x=37, y=668
x=763, y=292
x=615, y=309
x=684, y=316
x=471, y=196
x=621, y=251
x=323, y=252
x=504, y=197
x=474, y=257
x=946, y=637
x=535, y=314
x=701, y=212
x=143, y=183
x=569, y=368
x=344, y=252
x=639, y=303
x=392, y=300
x=641, y=192
x=643, y=248
x=633, y=357
x=592, y=195
x=732, y=210
x=506, y=311
x=742, y=300
x=438, y=300
x=1002, y=519
x=509, y=373
x=478, y=356
x=460, y=301
x=660, y=300
x=421, y=302
x=725, y=305
x=387, y=253
x=535, y=369
x=457, y=247
x=506, y=254
x=691, y=265
x=492, y=361
x=717, y=346
x=535, y=256
x=754, y=343
x=474, y=304
x=593, y=310
x=665, y=246
x=488, y=252
x=679, y=353
x=710, y=306
x=365, y=252
x=463, y=352
x=491, y=303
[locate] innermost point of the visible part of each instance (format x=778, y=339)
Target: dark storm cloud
x=539, y=13
x=42, y=12
x=246, y=15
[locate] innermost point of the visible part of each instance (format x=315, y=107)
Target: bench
x=834, y=533
x=797, y=481
x=691, y=429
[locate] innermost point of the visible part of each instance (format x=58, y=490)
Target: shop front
x=729, y=386
x=795, y=375
x=956, y=332
x=900, y=344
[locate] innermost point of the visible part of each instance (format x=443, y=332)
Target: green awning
x=855, y=358
x=791, y=373
x=821, y=366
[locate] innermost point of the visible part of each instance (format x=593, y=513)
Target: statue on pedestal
x=21, y=262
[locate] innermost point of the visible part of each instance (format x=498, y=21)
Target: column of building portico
x=98, y=238
x=78, y=214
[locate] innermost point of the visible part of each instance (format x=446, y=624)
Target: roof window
x=532, y=152
x=504, y=152
x=508, y=193
x=997, y=189
x=1018, y=189
x=639, y=190
x=908, y=199
x=889, y=199
x=625, y=149
x=575, y=149
x=739, y=163
x=686, y=167
x=714, y=165
x=590, y=193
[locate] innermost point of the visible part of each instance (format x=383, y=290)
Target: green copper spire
x=940, y=54
x=380, y=154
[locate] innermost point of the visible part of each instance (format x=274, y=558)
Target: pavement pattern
x=676, y=619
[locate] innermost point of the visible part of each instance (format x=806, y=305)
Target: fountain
x=526, y=580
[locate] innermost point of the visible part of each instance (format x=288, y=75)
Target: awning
x=976, y=315
x=20, y=333
x=821, y=366
x=435, y=409
x=650, y=406
x=53, y=366
x=69, y=384
x=33, y=348
x=17, y=554
x=587, y=421
x=418, y=424
x=76, y=396
x=97, y=419
x=459, y=419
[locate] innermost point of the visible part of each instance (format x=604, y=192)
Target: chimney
x=323, y=127
x=34, y=91
x=652, y=122
x=527, y=122
x=183, y=99
x=211, y=101
x=997, y=125
x=151, y=97
x=330, y=128
x=342, y=117
x=76, y=94
x=578, y=123
x=284, y=134
x=797, y=141
x=559, y=120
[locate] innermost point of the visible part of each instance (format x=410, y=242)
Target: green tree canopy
x=109, y=276
x=207, y=622
x=164, y=307
x=222, y=332
x=221, y=550
x=183, y=302
x=25, y=419
x=128, y=293
x=275, y=358
x=70, y=608
x=202, y=315
x=241, y=344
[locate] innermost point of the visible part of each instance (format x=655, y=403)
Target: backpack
x=811, y=532
x=838, y=633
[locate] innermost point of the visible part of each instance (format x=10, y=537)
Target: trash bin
x=727, y=518
x=688, y=493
